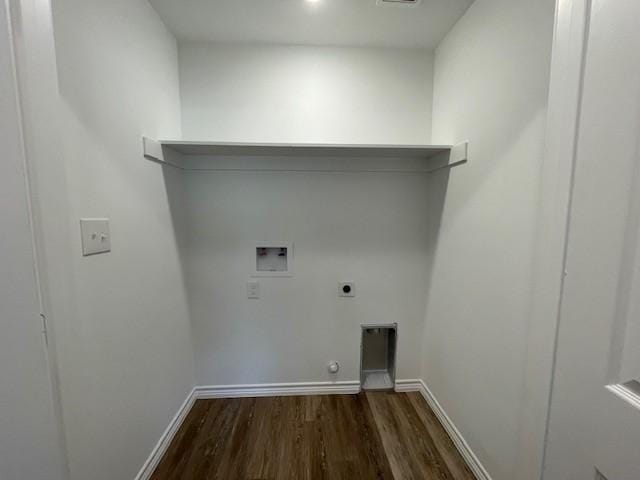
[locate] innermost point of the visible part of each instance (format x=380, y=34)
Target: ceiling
x=305, y=22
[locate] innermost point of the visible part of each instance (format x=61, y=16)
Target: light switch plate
x=96, y=237
x=253, y=289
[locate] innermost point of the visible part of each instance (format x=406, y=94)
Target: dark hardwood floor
x=365, y=436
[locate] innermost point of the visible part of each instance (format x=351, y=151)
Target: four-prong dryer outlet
x=378, y=356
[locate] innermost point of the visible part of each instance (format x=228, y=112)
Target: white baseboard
x=278, y=389
x=165, y=439
x=461, y=444
x=408, y=385
x=287, y=389
x=306, y=388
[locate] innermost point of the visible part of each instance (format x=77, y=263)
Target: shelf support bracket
x=455, y=156
x=459, y=154
x=152, y=150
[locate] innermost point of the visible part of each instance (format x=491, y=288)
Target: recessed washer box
x=273, y=259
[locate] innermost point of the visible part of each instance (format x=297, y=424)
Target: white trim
x=625, y=394
x=461, y=444
x=288, y=389
x=409, y=385
x=30, y=36
x=557, y=177
x=277, y=389
x=166, y=438
x=304, y=388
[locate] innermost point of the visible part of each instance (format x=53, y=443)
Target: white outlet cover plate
x=253, y=289
x=96, y=237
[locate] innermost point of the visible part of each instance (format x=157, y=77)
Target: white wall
x=120, y=320
x=305, y=94
x=491, y=82
x=370, y=228
x=30, y=444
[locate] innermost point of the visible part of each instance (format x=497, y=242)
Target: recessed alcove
x=378, y=357
x=398, y=149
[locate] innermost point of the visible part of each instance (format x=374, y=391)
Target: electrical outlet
x=95, y=236
x=347, y=289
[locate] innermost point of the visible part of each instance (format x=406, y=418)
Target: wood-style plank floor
x=335, y=437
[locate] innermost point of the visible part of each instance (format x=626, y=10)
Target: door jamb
x=570, y=40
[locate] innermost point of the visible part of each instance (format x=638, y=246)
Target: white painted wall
x=30, y=444
x=370, y=228
x=305, y=94
x=491, y=82
x=120, y=320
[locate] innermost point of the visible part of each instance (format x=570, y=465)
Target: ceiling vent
x=399, y=3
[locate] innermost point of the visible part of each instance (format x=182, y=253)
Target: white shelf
x=302, y=149
x=165, y=151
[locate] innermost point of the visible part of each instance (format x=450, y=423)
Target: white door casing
x=594, y=423
x=30, y=435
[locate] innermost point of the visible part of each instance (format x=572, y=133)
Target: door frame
x=17, y=16
x=571, y=31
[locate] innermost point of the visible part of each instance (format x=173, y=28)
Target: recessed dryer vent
x=378, y=357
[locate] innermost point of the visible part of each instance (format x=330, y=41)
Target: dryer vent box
x=378, y=357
